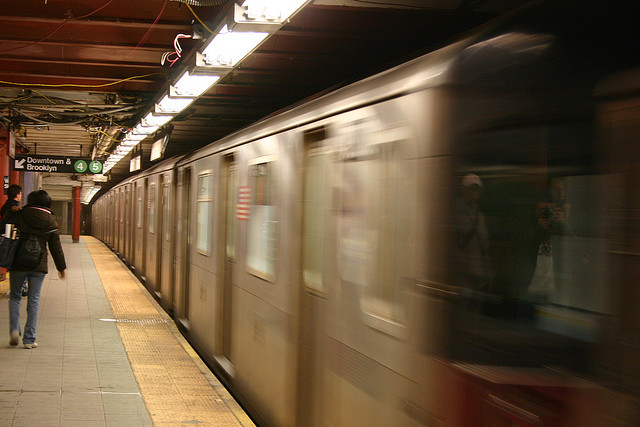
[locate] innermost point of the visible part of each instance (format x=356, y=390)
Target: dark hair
x=13, y=191
x=39, y=198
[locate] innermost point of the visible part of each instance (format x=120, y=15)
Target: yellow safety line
x=175, y=390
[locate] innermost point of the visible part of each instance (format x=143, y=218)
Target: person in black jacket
x=14, y=195
x=37, y=219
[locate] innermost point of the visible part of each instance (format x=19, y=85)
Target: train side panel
x=263, y=329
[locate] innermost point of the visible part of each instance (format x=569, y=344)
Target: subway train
x=451, y=242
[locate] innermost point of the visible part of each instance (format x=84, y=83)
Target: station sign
x=56, y=164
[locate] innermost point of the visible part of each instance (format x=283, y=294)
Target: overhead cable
x=85, y=86
x=146, y=35
x=198, y=18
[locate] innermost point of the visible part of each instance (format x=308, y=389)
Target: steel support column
x=77, y=209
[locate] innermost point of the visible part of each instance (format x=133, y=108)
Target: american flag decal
x=244, y=200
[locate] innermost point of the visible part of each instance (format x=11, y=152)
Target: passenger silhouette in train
x=473, y=271
x=552, y=219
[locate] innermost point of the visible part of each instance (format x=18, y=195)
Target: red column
x=14, y=177
x=4, y=171
x=77, y=208
x=4, y=162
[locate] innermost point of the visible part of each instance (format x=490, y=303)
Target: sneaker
x=25, y=290
x=14, y=336
x=31, y=345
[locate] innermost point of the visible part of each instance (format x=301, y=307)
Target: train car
x=450, y=242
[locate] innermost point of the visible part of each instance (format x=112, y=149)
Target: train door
x=112, y=211
x=368, y=319
x=118, y=240
x=116, y=220
x=110, y=227
x=228, y=197
x=166, y=264
x=316, y=181
x=145, y=222
x=128, y=223
x=152, y=234
x=185, y=247
x=160, y=235
x=123, y=214
x=139, y=227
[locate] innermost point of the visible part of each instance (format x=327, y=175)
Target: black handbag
x=7, y=251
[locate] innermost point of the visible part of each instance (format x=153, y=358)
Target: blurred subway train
x=452, y=242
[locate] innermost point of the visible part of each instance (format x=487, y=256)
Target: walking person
x=35, y=219
x=12, y=205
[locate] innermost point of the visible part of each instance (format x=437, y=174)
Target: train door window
x=316, y=206
x=261, y=241
x=232, y=185
x=152, y=209
x=139, y=207
x=375, y=227
x=204, y=211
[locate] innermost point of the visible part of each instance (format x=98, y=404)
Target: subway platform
x=108, y=355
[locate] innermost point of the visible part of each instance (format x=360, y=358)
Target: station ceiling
x=75, y=74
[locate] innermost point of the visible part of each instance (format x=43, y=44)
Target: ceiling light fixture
x=192, y=85
x=245, y=26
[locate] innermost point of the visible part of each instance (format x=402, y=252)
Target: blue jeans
x=35, y=279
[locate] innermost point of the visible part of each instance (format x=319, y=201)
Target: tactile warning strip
x=176, y=386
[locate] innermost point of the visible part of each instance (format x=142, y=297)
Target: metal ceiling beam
x=88, y=83
x=96, y=22
x=88, y=63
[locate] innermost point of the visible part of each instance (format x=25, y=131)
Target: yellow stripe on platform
x=176, y=386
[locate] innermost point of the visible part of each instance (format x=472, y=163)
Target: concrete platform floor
x=107, y=356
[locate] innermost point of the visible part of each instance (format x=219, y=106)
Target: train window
x=152, y=209
x=531, y=265
x=261, y=240
x=204, y=211
x=139, y=207
x=375, y=227
x=232, y=185
x=316, y=205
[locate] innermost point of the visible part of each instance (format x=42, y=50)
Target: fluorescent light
x=134, y=137
x=123, y=149
x=144, y=130
x=89, y=194
x=193, y=85
x=173, y=105
x=228, y=47
x=271, y=10
x=154, y=120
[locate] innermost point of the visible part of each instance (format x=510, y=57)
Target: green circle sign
x=80, y=166
x=95, y=166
